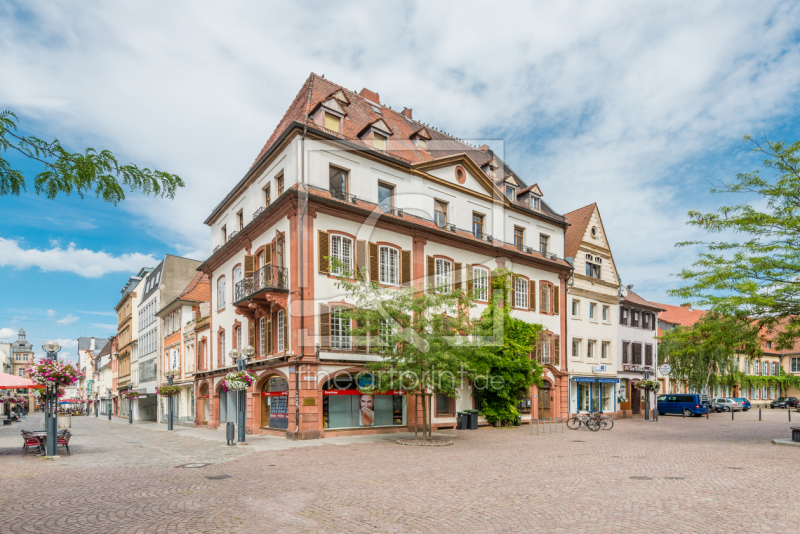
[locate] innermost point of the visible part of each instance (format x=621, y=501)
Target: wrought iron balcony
x=269, y=277
x=258, y=212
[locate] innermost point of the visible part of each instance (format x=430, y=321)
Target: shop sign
x=357, y=392
x=637, y=368
x=665, y=369
x=90, y=386
x=599, y=369
x=600, y=380
x=274, y=393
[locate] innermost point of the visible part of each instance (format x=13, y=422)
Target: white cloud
x=616, y=103
x=84, y=262
x=8, y=333
x=68, y=319
x=51, y=313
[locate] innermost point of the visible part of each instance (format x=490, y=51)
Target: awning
x=593, y=379
x=8, y=381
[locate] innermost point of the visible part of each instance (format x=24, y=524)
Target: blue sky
x=637, y=106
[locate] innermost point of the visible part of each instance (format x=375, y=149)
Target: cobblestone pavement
x=677, y=475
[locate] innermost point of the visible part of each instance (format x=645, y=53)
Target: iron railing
x=267, y=277
x=258, y=212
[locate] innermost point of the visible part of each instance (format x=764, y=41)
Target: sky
x=638, y=106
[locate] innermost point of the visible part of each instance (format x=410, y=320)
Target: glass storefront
x=275, y=403
x=595, y=394
x=343, y=406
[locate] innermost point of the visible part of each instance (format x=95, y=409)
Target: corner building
x=344, y=176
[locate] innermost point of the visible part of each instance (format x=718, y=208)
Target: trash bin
x=230, y=435
x=473, y=419
x=64, y=421
x=463, y=421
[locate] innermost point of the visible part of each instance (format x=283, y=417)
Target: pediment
x=334, y=105
x=341, y=97
x=381, y=125
x=422, y=133
x=511, y=179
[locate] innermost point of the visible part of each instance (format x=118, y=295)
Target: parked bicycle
x=582, y=420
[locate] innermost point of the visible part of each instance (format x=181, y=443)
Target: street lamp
x=50, y=413
x=647, y=398
x=241, y=360
x=170, y=377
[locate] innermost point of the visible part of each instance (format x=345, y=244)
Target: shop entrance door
x=636, y=400
x=544, y=400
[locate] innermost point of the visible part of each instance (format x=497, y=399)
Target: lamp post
x=170, y=377
x=647, y=398
x=50, y=413
x=241, y=359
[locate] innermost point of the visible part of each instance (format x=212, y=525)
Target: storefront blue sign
x=601, y=380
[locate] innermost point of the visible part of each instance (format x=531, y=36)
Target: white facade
x=638, y=348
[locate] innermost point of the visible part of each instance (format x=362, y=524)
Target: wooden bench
x=796, y=433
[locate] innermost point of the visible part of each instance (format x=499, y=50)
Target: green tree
x=707, y=353
x=757, y=274
x=422, y=337
x=96, y=171
x=504, y=366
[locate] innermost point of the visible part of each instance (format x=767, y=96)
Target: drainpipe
x=304, y=200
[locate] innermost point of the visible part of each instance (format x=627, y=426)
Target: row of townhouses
x=344, y=176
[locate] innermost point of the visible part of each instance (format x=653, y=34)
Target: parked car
x=686, y=404
x=783, y=402
x=745, y=403
x=727, y=405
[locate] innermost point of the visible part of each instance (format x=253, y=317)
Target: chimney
x=91, y=346
x=484, y=148
x=407, y=112
x=369, y=95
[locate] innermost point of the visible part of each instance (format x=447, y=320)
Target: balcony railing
x=258, y=212
x=268, y=277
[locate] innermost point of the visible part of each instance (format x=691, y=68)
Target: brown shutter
x=360, y=337
x=323, y=247
x=251, y=338
x=405, y=267
x=470, y=284
x=429, y=281
x=653, y=320
x=286, y=343
x=325, y=326
x=249, y=264
x=361, y=257
x=374, y=274
x=556, y=301
x=268, y=340
x=491, y=286
x=457, y=277
x=555, y=358
x=268, y=254
x=532, y=295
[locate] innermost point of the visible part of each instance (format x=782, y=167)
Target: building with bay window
x=345, y=177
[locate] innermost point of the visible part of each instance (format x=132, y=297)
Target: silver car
x=727, y=405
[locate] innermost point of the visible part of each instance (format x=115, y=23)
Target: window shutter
x=249, y=264
x=532, y=295
x=286, y=331
x=555, y=357
x=325, y=326
x=556, y=303
x=374, y=272
x=361, y=257
x=251, y=338
x=653, y=320
x=431, y=271
x=490, y=281
x=457, y=277
x=268, y=253
x=268, y=341
x=323, y=247
x=470, y=284
x=405, y=268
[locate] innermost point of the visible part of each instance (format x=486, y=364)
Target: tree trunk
x=424, y=416
x=416, y=421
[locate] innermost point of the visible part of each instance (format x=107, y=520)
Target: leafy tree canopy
x=96, y=171
x=758, y=274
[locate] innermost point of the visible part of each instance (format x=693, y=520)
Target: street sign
x=665, y=369
x=598, y=369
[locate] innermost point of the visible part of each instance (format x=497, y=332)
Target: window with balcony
x=279, y=249
x=544, y=244
x=240, y=219
x=519, y=235
x=340, y=331
x=439, y=212
x=342, y=250
x=337, y=183
x=267, y=199
x=385, y=197
x=224, y=234
x=279, y=184
x=520, y=292
x=477, y=225
x=443, y=279
x=480, y=284
x=237, y=277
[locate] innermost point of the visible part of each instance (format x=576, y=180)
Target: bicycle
x=606, y=423
x=583, y=420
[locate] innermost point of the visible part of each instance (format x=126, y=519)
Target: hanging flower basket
x=40, y=393
x=238, y=380
x=649, y=385
x=57, y=373
x=168, y=391
x=130, y=395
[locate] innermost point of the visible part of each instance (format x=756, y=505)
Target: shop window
x=343, y=406
x=275, y=403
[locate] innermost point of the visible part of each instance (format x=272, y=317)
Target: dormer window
x=535, y=203
x=511, y=193
x=422, y=143
x=421, y=138
x=379, y=141
x=332, y=122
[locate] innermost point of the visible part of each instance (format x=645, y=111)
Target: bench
x=796, y=433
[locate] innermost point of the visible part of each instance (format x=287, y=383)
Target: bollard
x=732, y=410
x=759, y=414
x=229, y=433
x=789, y=411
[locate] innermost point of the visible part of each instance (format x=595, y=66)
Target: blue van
x=686, y=404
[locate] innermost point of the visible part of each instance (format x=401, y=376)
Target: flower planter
x=64, y=421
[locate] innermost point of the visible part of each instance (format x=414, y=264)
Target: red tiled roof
x=680, y=315
x=633, y=298
x=578, y=221
x=198, y=290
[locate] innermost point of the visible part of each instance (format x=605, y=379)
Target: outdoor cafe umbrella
x=8, y=381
